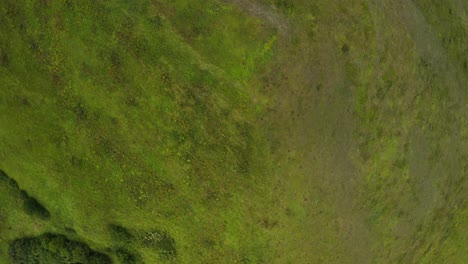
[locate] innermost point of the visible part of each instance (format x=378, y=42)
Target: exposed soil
x=269, y=15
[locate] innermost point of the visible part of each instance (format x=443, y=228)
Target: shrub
x=126, y=257
x=3, y=176
x=120, y=234
x=32, y=207
x=161, y=241
x=52, y=248
x=9, y=181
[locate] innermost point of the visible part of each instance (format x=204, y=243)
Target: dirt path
x=313, y=123
x=430, y=48
x=269, y=15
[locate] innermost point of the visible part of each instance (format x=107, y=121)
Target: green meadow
x=233, y=131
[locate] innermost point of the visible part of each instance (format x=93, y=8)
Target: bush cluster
x=52, y=248
x=31, y=206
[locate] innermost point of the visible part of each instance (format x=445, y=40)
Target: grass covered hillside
x=233, y=131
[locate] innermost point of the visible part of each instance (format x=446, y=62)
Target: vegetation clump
x=120, y=234
x=124, y=256
x=52, y=248
x=31, y=206
x=162, y=241
x=9, y=181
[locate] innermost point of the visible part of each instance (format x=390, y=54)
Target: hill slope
x=233, y=131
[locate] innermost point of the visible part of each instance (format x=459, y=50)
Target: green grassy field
x=234, y=131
